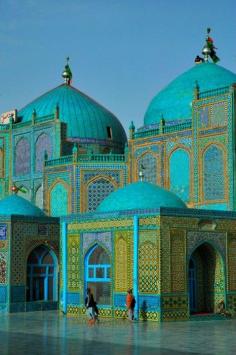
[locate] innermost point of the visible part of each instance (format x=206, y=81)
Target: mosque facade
x=155, y=213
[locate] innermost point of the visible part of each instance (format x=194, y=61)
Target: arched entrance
x=42, y=275
x=98, y=274
x=206, y=279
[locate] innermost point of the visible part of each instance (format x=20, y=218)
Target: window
x=109, y=132
x=41, y=276
x=98, y=274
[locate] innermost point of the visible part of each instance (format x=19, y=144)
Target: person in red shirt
x=130, y=304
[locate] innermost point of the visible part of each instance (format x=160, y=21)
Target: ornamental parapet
x=214, y=92
x=166, y=129
x=67, y=159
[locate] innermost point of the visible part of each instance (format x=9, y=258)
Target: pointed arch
x=179, y=173
x=97, y=190
x=43, y=145
x=213, y=176
x=206, y=278
x=98, y=274
x=22, y=157
x=59, y=199
x=147, y=163
x=42, y=274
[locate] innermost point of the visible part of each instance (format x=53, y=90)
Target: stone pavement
x=52, y=333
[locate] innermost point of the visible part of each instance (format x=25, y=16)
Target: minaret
x=67, y=73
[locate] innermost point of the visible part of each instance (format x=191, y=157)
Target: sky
x=122, y=52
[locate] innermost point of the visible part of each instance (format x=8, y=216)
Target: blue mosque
x=84, y=206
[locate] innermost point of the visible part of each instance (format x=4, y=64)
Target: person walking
x=91, y=307
x=130, y=304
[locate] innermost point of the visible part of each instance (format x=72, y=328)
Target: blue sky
x=122, y=51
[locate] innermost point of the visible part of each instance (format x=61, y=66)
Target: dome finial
x=67, y=73
x=209, y=50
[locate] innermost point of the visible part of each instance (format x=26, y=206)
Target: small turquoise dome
x=174, y=101
x=139, y=196
x=85, y=118
x=16, y=205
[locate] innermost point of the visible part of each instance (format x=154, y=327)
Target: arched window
x=39, y=197
x=42, y=275
x=148, y=165
x=43, y=145
x=213, y=174
x=98, y=274
x=179, y=172
x=59, y=201
x=22, y=157
x=97, y=191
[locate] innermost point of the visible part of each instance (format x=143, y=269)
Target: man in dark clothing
x=91, y=306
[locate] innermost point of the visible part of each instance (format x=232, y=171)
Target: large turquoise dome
x=16, y=205
x=139, y=196
x=85, y=118
x=174, y=101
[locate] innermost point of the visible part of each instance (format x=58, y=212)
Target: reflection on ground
x=52, y=333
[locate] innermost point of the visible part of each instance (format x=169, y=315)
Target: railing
x=178, y=127
x=21, y=124
x=209, y=93
x=166, y=129
x=68, y=159
x=102, y=157
x=60, y=161
x=149, y=133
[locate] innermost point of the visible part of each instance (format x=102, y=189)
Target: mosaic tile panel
x=58, y=200
x=231, y=303
x=3, y=268
x=213, y=174
x=148, y=268
x=103, y=238
x=43, y=145
x=97, y=191
x=147, y=163
x=204, y=116
x=179, y=171
x=178, y=260
x=74, y=282
x=22, y=157
x=219, y=114
x=123, y=261
x=93, y=174
x=232, y=264
x=195, y=238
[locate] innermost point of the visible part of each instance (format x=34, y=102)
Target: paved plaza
x=52, y=333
